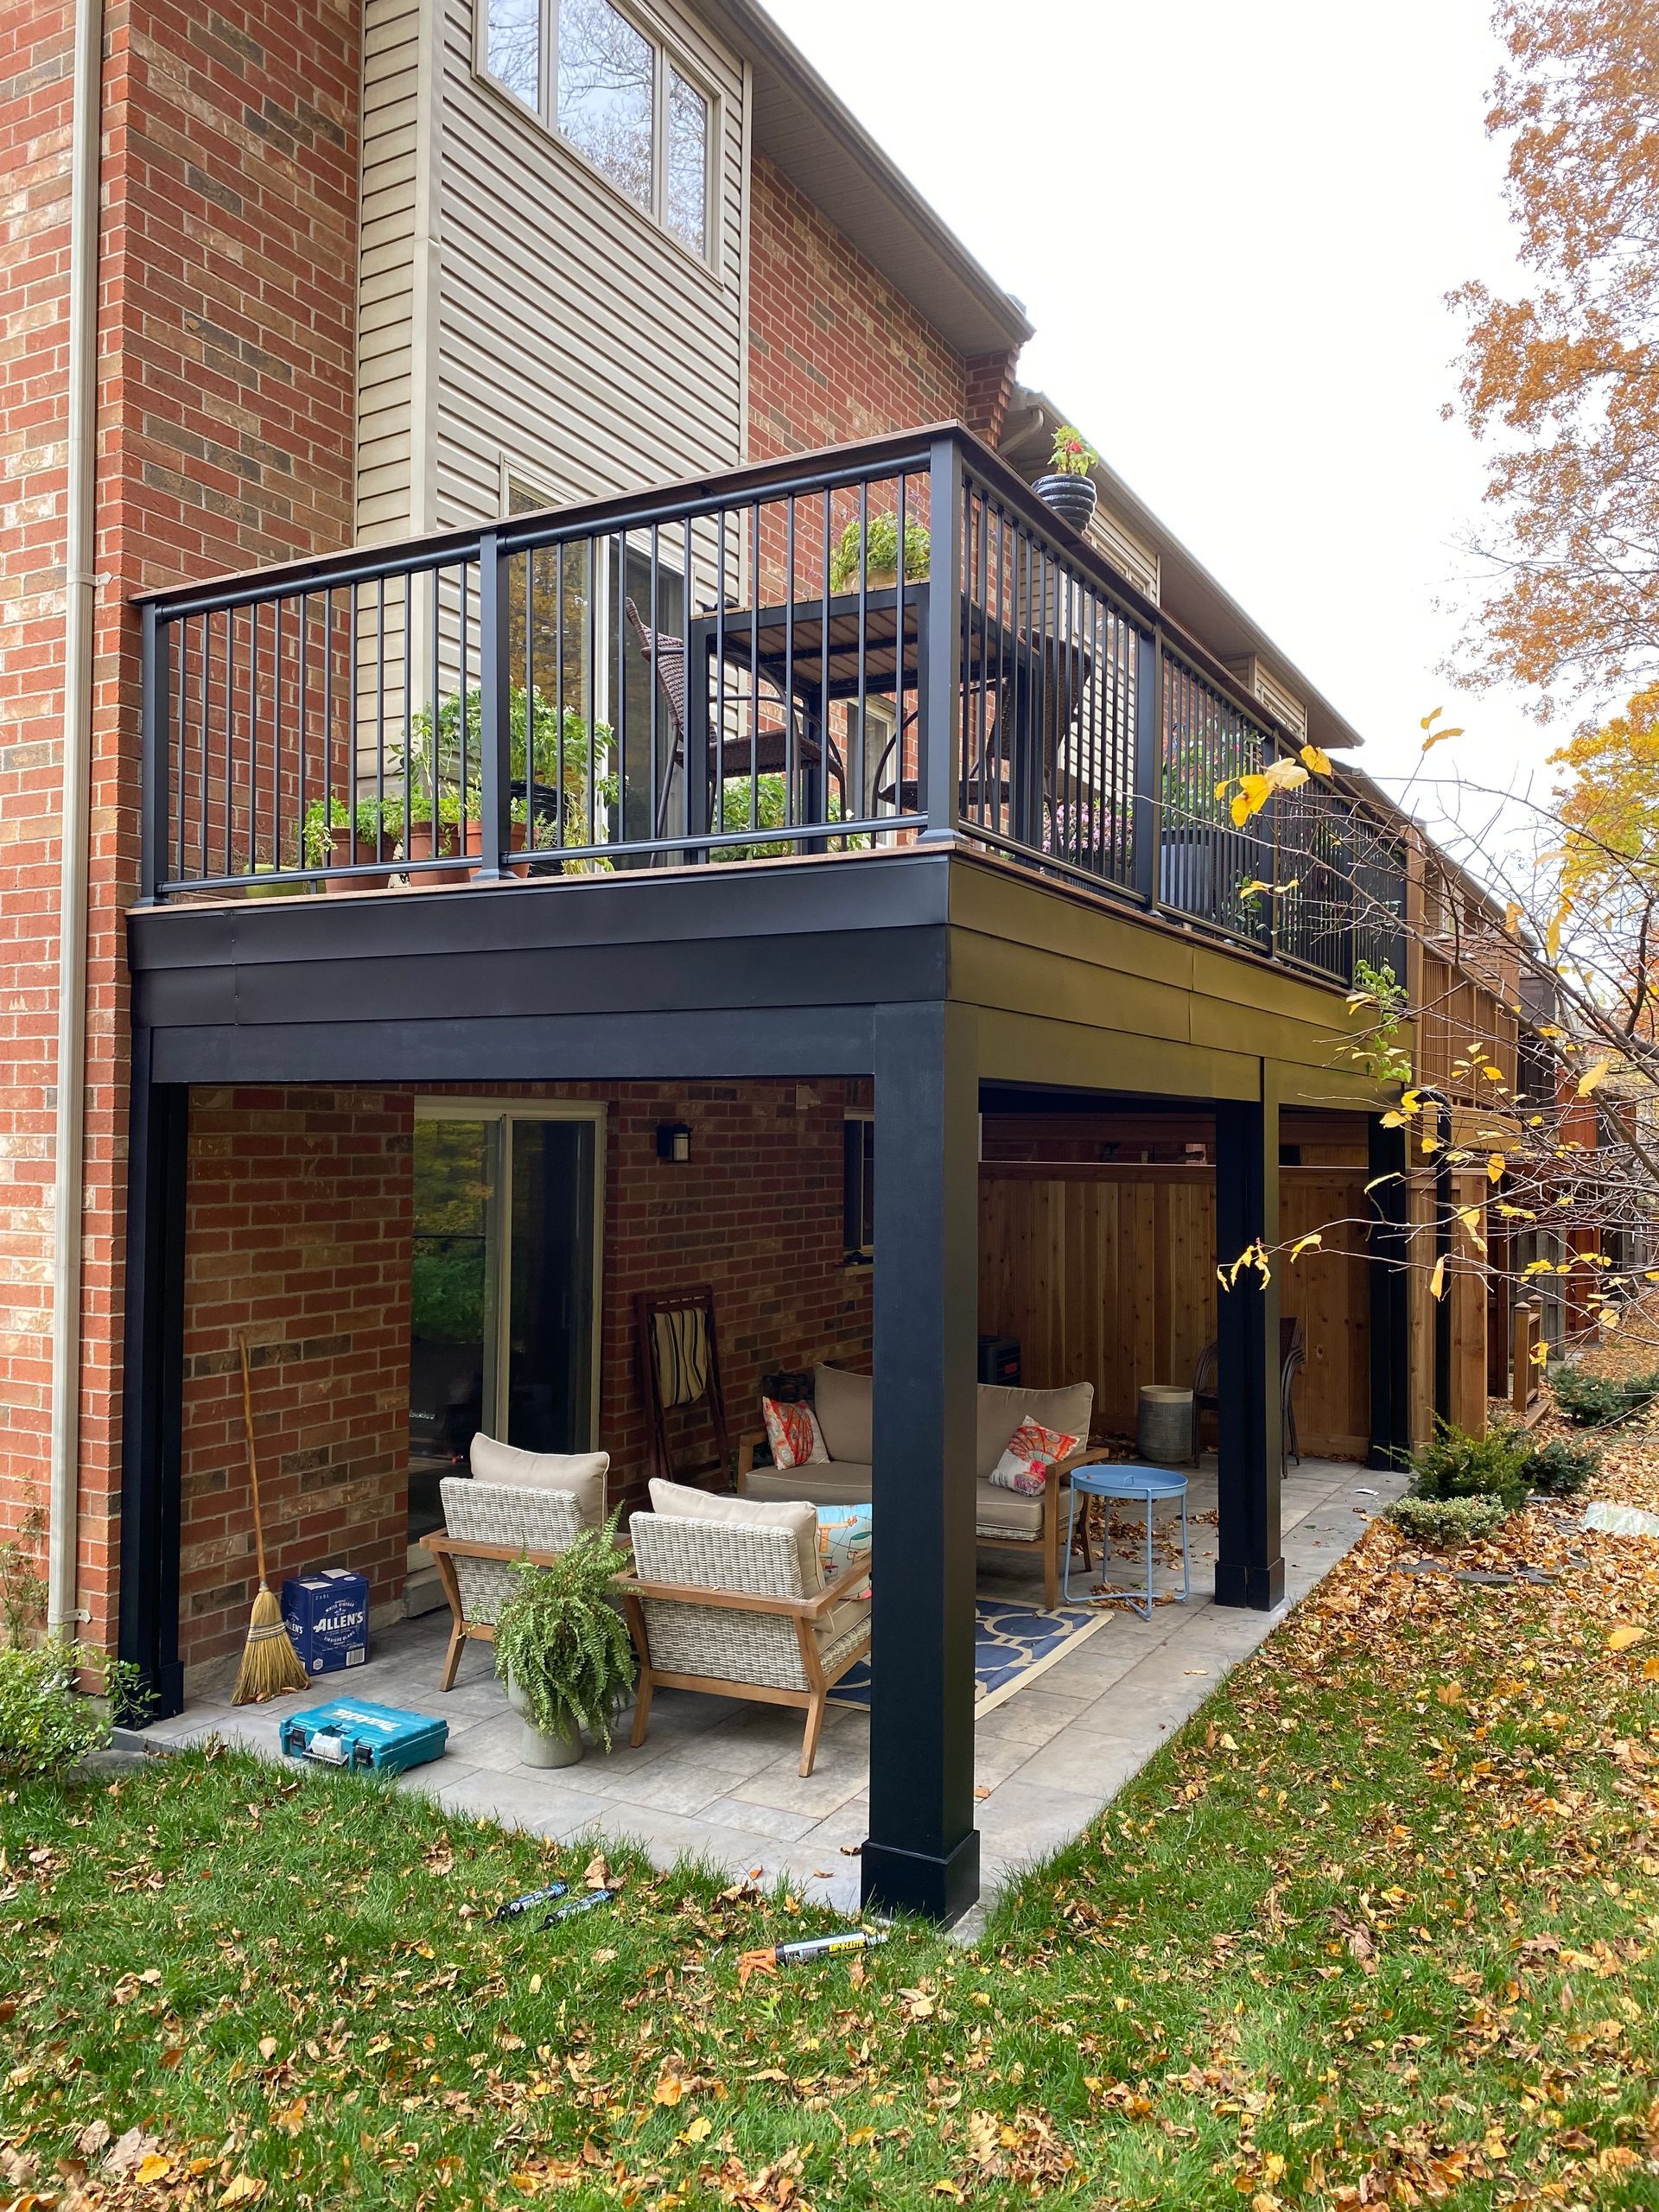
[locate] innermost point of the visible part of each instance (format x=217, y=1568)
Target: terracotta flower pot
x=347, y=849
x=518, y=837
x=418, y=846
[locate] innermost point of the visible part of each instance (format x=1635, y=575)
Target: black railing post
x=152, y=785
x=1149, y=815
x=495, y=708
x=940, y=643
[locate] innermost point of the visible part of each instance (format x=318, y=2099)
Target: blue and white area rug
x=1012, y=1646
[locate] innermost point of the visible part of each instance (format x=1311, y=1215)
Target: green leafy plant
x=563, y=1638
x=45, y=1723
x=1562, y=1468
x=1447, y=1523
x=380, y=819
x=1454, y=1464
x=879, y=542
x=1073, y=454
x=22, y=1586
x=1384, y=1047
x=447, y=1292
x=1599, y=1400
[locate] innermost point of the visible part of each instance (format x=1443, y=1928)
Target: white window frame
x=666, y=53
x=507, y=1112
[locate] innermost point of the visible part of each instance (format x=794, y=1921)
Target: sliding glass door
x=504, y=1285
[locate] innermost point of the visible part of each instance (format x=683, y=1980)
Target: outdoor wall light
x=673, y=1142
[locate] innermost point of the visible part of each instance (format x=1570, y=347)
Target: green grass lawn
x=1379, y=1928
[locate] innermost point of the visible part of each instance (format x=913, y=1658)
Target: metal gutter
x=74, y=861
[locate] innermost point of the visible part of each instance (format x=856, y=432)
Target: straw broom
x=269, y=1662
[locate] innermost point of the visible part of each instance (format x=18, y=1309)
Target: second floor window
x=618, y=95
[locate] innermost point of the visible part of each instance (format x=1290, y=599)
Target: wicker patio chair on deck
x=517, y=1505
x=731, y=1603
x=766, y=752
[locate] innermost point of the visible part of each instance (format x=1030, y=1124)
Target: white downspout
x=74, y=863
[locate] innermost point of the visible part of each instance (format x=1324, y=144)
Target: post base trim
x=1258, y=1588
x=938, y=1888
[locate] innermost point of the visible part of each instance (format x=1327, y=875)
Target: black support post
x=1388, y=1269
x=153, y=1386
x=923, y=1851
x=1249, y=1568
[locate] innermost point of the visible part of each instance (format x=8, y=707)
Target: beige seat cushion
x=1002, y=1407
x=681, y=1502
x=845, y=1405
x=851, y=1614
x=999, y=1512
x=581, y=1473
x=842, y=1482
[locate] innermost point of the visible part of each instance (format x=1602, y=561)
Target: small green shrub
x=1561, y=1468
x=1599, y=1400
x=1457, y=1464
x=1447, y=1523
x=882, y=554
x=45, y=1723
x=564, y=1640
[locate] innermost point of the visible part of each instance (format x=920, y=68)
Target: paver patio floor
x=716, y=1777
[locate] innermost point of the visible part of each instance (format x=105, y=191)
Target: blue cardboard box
x=355, y=1735
x=326, y=1616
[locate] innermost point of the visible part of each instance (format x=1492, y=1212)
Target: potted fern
x=562, y=1648
x=1069, y=488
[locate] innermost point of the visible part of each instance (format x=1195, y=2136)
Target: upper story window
x=618, y=95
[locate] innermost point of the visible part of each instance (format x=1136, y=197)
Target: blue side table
x=1138, y=1484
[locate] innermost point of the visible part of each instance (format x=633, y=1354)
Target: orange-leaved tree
x=1563, y=381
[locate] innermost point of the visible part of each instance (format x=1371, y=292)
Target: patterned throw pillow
x=843, y=1539
x=1032, y=1451
x=794, y=1435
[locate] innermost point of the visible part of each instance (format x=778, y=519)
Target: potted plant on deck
x=562, y=1648
x=1069, y=488
x=336, y=836
x=875, y=546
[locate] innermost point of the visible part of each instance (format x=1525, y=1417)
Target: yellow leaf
x=244, y=2189
x=1393, y=1120
x=1623, y=1638
x=1495, y=1164
x=154, y=2168
x=1318, y=761
x=947, y=2188
x=1310, y=1242
x=1651, y=1669
x=1511, y=917
x=1282, y=776
x=1436, y=1281
x=699, y=2130
x=1540, y=1355
x=1593, y=1077
x=1241, y=810
x=1439, y=737
x=1553, y=933
x=1429, y=720
x=1224, y=787
x=669, y=2090
x=291, y=2120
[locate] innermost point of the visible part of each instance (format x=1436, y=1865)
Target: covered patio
x=717, y=1780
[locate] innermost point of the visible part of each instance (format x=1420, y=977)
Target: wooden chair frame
x=1048, y=1541
x=699, y=1298
x=804, y=1612
x=445, y=1550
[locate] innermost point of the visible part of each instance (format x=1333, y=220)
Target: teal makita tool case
x=351, y=1733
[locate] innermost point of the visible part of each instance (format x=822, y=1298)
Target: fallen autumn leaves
x=1378, y=1928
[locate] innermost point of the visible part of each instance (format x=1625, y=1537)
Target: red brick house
x=344, y=285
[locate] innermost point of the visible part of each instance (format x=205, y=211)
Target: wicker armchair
x=486, y=1527
x=719, y=1606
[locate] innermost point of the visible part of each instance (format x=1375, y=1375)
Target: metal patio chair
x=1292, y=1359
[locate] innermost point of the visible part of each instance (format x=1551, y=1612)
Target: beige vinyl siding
x=1126, y=552
x=575, y=338
x=395, y=153
x=1260, y=683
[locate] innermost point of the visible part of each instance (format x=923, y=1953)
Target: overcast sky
x=1234, y=223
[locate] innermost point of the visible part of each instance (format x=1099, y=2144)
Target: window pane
x=514, y=35
x=686, y=203
x=604, y=92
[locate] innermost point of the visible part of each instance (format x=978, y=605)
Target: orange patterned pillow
x=794, y=1435
x=1032, y=1451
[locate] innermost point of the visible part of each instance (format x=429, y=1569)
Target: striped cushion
x=681, y=1336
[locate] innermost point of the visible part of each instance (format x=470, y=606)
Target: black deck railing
x=882, y=645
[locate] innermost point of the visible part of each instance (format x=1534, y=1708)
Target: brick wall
x=298, y=1229
x=835, y=354
x=227, y=333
